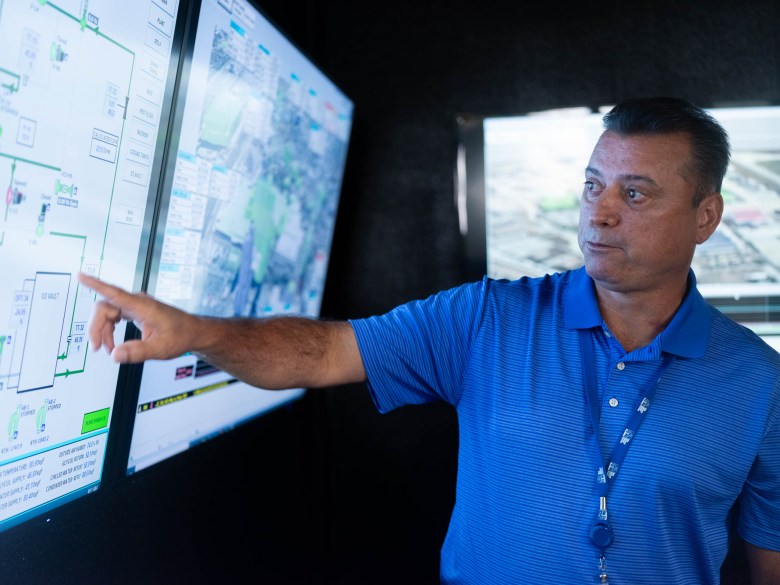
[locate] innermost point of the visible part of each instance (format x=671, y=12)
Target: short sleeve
x=759, y=522
x=419, y=351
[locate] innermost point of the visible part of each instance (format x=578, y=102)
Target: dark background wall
x=327, y=490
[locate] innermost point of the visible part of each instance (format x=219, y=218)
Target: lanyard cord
x=608, y=470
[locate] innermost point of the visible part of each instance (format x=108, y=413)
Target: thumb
x=131, y=352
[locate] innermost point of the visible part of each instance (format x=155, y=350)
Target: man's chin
x=601, y=271
x=608, y=277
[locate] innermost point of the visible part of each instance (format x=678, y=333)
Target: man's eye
x=590, y=186
x=634, y=194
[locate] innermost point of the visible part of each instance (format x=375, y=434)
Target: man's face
x=638, y=227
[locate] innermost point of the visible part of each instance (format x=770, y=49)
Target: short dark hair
x=710, y=148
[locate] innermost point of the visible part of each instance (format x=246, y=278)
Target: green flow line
x=10, y=86
x=67, y=373
x=64, y=235
x=84, y=26
x=113, y=41
x=30, y=162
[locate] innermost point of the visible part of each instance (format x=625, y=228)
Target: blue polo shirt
x=506, y=355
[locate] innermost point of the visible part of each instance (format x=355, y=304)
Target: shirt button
x=621, y=366
x=613, y=402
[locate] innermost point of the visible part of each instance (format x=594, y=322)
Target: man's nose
x=604, y=210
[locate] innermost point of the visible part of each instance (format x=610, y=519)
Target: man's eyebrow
x=592, y=171
x=637, y=178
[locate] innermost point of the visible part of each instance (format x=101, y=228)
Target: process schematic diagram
x=81, y=94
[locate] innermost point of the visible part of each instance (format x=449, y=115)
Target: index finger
x=112, y=294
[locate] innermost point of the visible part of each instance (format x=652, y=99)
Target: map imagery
x=254, y=202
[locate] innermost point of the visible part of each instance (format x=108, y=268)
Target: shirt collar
x=685, y=336
x=581, y=309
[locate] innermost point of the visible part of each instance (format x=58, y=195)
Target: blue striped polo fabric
x=506, y=355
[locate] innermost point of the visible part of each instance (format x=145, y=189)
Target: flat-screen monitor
x=520, y=181
x=84, y=91
x=254, y=178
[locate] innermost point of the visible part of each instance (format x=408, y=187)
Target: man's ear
x=708, y=216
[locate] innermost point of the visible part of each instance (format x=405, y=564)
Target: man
x=553, y=377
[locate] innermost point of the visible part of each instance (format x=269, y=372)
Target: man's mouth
x=597, y=246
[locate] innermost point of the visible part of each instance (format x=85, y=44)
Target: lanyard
x=601, y=532
x=606, y=473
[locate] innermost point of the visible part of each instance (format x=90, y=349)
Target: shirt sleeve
x=419, y=351
x=759, y=522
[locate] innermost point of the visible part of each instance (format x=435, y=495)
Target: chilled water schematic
x=64, y=96
x=81, y=96
x=34, y=338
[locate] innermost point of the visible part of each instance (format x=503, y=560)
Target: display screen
x=82, y=96
x=532, y=182
x=262, y=138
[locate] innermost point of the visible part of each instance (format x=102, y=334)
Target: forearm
x=271, y=353
x=281, y=352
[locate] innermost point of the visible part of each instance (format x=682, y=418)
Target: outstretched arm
x=272, y=353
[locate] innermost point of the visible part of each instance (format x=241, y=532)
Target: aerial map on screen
x=257, y=178
x=248, y=228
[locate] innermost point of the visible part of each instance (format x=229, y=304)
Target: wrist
x=205, y=334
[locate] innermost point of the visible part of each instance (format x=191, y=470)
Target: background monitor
x=521, y=180
x=260, y=145
x=84, y=91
